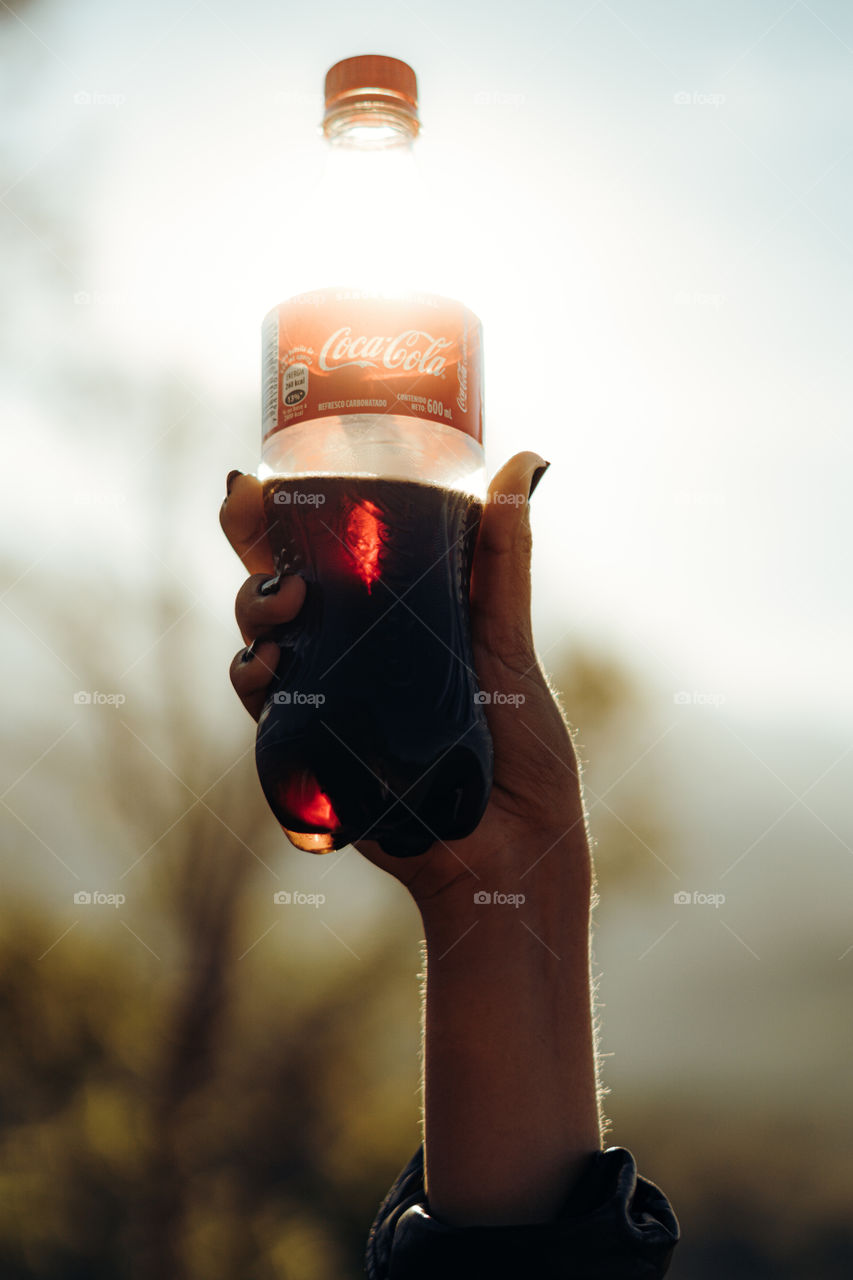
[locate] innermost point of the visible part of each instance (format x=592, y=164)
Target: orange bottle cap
x=373, y=78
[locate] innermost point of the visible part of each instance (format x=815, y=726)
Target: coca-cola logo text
x=462, y=398
x=413, y=351
x=462, y=373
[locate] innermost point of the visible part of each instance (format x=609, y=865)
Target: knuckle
x=248, y=602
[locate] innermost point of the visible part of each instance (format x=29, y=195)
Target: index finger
x=244, y=524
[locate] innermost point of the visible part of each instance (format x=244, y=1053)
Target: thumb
x=244, y=523
x=500, y=579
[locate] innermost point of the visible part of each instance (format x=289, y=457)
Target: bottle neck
x=370, y=220
x=368, y=198
x=371, y=126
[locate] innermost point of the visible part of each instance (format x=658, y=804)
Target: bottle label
x=341, y=351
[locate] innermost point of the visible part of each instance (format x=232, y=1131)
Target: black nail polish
x=537, y=476
x=270, y=587
x=229, y=482
x=249, y=653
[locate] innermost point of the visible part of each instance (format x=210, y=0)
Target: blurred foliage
x=128, y=1148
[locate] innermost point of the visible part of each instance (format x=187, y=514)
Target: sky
x=653, y=208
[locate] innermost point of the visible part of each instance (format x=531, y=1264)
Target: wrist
x=547, y=882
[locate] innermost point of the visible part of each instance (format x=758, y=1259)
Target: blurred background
x=655, y=202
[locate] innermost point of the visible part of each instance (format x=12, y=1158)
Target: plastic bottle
x=373, y=473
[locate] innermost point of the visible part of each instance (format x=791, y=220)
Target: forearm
x=510, y=1093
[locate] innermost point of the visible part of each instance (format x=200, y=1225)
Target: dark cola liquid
x=372, y=729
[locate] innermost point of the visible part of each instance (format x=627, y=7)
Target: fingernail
x=537, y=476
x=270, y=587
x=249, y=653
x=232, y=476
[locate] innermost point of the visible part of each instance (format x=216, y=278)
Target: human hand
x=535, y=803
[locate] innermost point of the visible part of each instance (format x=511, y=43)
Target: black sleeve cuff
x=615, y=1225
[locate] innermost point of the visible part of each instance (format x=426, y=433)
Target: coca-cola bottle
x=373, y=481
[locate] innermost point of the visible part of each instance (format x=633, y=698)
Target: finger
x=258, y=611
x=500, y=579
x=251, y=679
x=244, y=524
